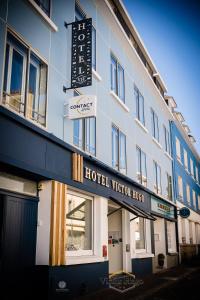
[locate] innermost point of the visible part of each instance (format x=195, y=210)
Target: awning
x=133, y=209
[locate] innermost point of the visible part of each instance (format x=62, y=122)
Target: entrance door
x=115, y=239
x=18, y=228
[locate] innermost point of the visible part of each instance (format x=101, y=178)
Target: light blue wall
x=179, y=170
x=55, y=49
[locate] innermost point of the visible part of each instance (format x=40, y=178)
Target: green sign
x=162, y=208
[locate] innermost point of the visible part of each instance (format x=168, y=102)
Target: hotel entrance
x=115, y=246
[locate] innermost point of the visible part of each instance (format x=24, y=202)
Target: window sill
x=169, y=156
x=77, y=260
x=143, y=255
x=43, y=15
x=157, y=143
x=141, y=125
x=120, y=101
x=96, y=75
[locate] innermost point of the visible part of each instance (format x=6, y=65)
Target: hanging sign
x=82, y=106
x=162, y=207
x=184, y=212
x=81, y=64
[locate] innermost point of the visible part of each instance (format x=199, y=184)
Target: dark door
x=18, y=223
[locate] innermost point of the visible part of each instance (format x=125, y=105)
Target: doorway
x=115, y=246
x=18, y=227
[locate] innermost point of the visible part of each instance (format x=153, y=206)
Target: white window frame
x=194, y=198
x=158, y=179
x=191, y=167
x=9, y=72
x=144, y=250
x=185, y=159
x=79, y=253
x=167, y=140
x=141, y=178
x=171, y=228
x=188, y=194
x=178, y=149
x=180, y=188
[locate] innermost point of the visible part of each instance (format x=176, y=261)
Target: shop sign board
x=83, y=106
x=162, y=207
x=81, y=65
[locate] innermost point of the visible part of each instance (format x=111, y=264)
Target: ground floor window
x=183, y=235
x=190, y=232
x=171, y=237
x=140, y=234
x=79, y=224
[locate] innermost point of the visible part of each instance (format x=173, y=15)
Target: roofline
x=133, y=29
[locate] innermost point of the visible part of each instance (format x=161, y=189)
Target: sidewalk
x=152, y=284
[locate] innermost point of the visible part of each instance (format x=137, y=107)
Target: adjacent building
x=84, y=198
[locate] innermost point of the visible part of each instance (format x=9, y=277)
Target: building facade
x=100, y=189
x=187, y=188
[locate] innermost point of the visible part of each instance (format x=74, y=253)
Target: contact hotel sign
x=82, y=106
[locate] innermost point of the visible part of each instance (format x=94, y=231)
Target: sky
x=170, y=30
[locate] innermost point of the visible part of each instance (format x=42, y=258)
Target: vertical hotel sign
x=81, y=65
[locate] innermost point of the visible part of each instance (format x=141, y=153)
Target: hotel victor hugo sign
x=81, y=64
x=112, y=184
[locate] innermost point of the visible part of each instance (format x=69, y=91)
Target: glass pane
x=156, y=127
x=144, y=169
x=79, y=223
x=6, y=69
x=78, y=133
x=37, y=95
x=122, y=159
x=115, y=147
x=138, y=153
x=44, y=5
x=137, y=103
x=141, y=109
x=121, y=91
x=152, y=123
x=16, y=82
x=140, y=233
x=93, y=48
x=79, y=14
x=159, y=179
x=155, y=176
x=113, y=74
x=90, y=135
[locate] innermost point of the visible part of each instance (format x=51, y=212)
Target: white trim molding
x=157, y=143
x=96, y=75
x=51, y=24
x=120, y=101
x=141, y=125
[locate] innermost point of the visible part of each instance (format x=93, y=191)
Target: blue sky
x=170, y=30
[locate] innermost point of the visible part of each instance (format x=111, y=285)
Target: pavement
x=167, y=284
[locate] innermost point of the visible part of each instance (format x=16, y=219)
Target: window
x=169, y=187
x=30, y=102
x=183, y=238
x=190, y=232
x=180, y=188
x=85, y=134
x=188, y=194
x=117, y=78
x=44, y=5
x=199, y=202
x=154, y=122
x=118, y=150
x=178, y=149
x=185, y=159
x=80, y=15
x=171, y=237
x=79, y=224
x=194, y=198
x=167, y=141
x=139, y=100
x=197, y=174
x=191, y=167
x=140, y=233
x=157, y=178
x=141, y=167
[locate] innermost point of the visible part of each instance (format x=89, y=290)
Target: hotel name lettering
x=113, y=184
